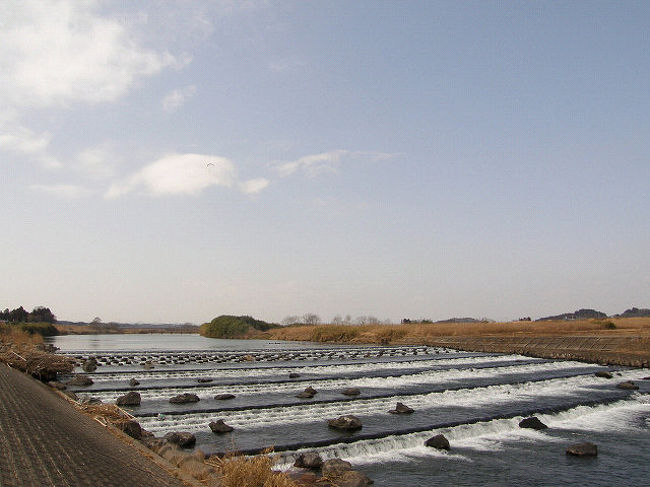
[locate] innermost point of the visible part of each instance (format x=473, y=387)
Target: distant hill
x=634, y=313
x=581, y=314
x=227, y=326
x=461, y=320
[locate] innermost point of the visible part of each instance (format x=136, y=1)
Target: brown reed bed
x=414, y=332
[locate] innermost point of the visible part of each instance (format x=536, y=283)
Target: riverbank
x=615, y=341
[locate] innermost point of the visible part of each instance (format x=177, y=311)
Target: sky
x=175, y=161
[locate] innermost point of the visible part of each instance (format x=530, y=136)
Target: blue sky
x=173, y=161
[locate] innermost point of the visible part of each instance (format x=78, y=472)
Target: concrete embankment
x=631, y=351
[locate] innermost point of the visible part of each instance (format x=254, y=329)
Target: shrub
x=228, y=326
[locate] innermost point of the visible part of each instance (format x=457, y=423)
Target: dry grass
x=240, y=471
x=23, y=351
x=414, y=332
x=109, y=413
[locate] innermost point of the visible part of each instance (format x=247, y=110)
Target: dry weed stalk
x=242, y=471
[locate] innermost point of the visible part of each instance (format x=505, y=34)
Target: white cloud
x=21, y=140
x=315, y=164
x=253, y=186
x=96, y=162
x=61, y=190
x=178, y=174
x=177, y=98
x=57, y=52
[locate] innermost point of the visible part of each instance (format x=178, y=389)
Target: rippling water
x=476, y=400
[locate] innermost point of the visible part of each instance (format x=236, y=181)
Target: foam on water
x=330, y=369
x=434, y=377
x=476, y=397
x=486, y=436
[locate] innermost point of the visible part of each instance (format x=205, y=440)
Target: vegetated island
x=229, y=326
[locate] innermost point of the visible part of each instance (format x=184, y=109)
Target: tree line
x=40, y=314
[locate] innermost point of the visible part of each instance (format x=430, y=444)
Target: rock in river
x=220, y=427
x=627, y=385
x=311, y=460
x=439, y=441
x=308, y=393
x=130, y=399
x=585, y=449
x=80, y=380
x=224, y=397
x=401, y=409
x=184, y=398
x=351, y=391
x=134, y=382
x=335, y=467
x=181, y=438
x=345, y=423
x=90, y=365
x=604, y=374
x=533, y=423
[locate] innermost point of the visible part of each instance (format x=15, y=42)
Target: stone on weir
x=439, y=441
x=311, y=460
x=533, y=423
x=130, y=399
x=585, y=449
x=224, y=397
x=627, y=385
x=183, y=439
x=220, y=427
x=345, y=423
x=184, y=398
x=401, y=409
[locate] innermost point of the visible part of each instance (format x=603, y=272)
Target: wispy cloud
x=96, y=162
x=178, y=174
x=177, y=98
x=21, y=140
x=253, y=186
x=62, y=190
x=315, y=164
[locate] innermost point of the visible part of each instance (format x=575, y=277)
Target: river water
x=476, y=400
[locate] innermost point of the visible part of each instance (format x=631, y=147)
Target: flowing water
x=476, y=400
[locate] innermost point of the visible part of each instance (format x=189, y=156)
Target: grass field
x=414, y=332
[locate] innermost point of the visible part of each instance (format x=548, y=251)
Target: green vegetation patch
x=228, y=326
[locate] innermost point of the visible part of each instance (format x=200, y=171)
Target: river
x=475, y=399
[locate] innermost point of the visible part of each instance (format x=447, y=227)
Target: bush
x=228, y=326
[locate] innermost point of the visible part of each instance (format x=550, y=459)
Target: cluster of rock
x=333, y=472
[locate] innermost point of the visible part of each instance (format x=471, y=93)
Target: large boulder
x=219, y=427
x=627, y=385
x=181, y=438
x=439, y=441
x=130, y=399
x=308, y=393
x=335, y=467
x=533, y=423
x=585, y=449
x=89, y=365
x=80, y=380
x=345, y=423
x=352, y=478
x=401, y=409
x=184, y=398
x=131, y=428
x=311, y=460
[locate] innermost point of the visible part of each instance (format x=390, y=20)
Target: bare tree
x=291, y=320
x=310, y=319
x=337, y=320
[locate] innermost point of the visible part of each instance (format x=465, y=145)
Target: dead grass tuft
x=241, y=471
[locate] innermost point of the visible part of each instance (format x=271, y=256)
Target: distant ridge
x=634, y=313
x=581, y=314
